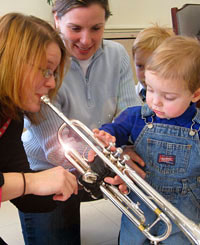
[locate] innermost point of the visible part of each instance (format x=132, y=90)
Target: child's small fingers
x=95, y=130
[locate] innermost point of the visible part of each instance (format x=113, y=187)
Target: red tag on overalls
x=166, y=159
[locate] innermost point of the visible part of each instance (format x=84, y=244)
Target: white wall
x=38, y=8
x=126, y=13
x=142, y=13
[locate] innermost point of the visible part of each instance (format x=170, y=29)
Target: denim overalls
x=172, y=157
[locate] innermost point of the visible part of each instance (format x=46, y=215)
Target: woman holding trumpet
x=29, y=59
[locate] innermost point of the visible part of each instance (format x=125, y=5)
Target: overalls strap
x=146, y=111
x=197, y=116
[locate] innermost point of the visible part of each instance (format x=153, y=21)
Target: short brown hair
x=61, y=7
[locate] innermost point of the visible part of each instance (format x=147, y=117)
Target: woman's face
x=82, y=29
x=42, y=82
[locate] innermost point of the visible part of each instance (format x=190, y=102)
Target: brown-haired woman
x=98, y=85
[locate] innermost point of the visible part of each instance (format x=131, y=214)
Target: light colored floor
x=100, y=223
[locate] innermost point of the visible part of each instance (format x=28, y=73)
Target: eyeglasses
x=48, y=73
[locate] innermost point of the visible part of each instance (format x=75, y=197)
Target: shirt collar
x=186, y=117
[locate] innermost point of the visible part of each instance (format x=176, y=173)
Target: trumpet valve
x=123, y=161
x=111, y=144
x=90, y=177
x=118, y=152
x=115, y=156
x=106, y=152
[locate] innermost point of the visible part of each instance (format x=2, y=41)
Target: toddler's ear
x=196, y=95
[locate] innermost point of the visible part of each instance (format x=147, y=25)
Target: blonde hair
x=23, y=41
x=150, y=38
x=177, y=58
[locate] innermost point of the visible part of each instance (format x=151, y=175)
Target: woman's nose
x=50, y=82
x=85, y=38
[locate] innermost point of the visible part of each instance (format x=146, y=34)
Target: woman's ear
x=196, y=95
x=56, y=20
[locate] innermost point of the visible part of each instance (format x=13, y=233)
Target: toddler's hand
x=104, y=137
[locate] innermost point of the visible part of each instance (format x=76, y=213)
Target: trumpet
x=114, y=163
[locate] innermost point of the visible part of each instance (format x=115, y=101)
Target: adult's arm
x=57, y=182
x=42, y=189
x=126, y=93
x=50, y=184
x=41, y=141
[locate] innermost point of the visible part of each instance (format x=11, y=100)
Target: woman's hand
x=56, y=181
x=128, y=150
x=117, y=181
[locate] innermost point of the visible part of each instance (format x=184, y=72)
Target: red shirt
x=0, y=196
x=2, y=131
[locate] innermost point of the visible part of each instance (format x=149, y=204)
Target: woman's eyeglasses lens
x=48, y=73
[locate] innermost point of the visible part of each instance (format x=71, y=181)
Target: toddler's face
x=167, y=98
x=140, y=59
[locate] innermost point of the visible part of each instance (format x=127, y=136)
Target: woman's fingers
x=117, y=181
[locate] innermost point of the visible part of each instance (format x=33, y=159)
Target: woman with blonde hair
x=32, y=61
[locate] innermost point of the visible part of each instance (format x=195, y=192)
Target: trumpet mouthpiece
x=45, y=99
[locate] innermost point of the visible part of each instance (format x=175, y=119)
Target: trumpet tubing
x=156, y=202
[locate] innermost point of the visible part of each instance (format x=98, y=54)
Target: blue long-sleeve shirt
x=130, y=123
